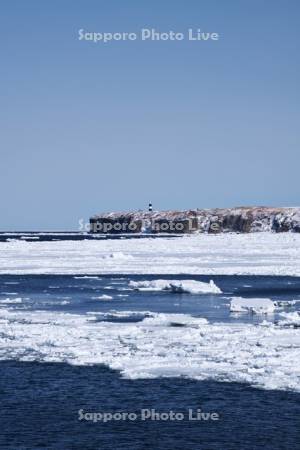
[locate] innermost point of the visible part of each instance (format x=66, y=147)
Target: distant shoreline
x=218, y=220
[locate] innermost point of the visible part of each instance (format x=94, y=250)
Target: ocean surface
x=50, y=236
x=43, y=386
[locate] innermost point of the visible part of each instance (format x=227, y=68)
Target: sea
x=51, y=401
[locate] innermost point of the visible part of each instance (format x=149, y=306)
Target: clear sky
x=91, y=127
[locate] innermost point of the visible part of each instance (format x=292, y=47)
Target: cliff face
x=242, y=220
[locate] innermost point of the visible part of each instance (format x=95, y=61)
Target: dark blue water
x=48, y=236
x=40, y=404
x=78, y=294
x=40, y=401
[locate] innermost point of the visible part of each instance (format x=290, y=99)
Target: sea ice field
x=226, y=254
x=209, y=321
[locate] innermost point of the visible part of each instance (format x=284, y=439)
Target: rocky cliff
x=241, y=219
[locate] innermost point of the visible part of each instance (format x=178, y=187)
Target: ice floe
x=285, y=303
x=253, y=305
x=290, y=319
x=87, y=277
x=112, y=314
x=179, y=286
x=103, y=297
x=11, y=300
x=160, y=345
x=9, y=293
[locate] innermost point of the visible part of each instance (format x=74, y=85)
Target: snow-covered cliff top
x=239, y=219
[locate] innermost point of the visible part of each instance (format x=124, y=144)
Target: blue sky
x=90, y=127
